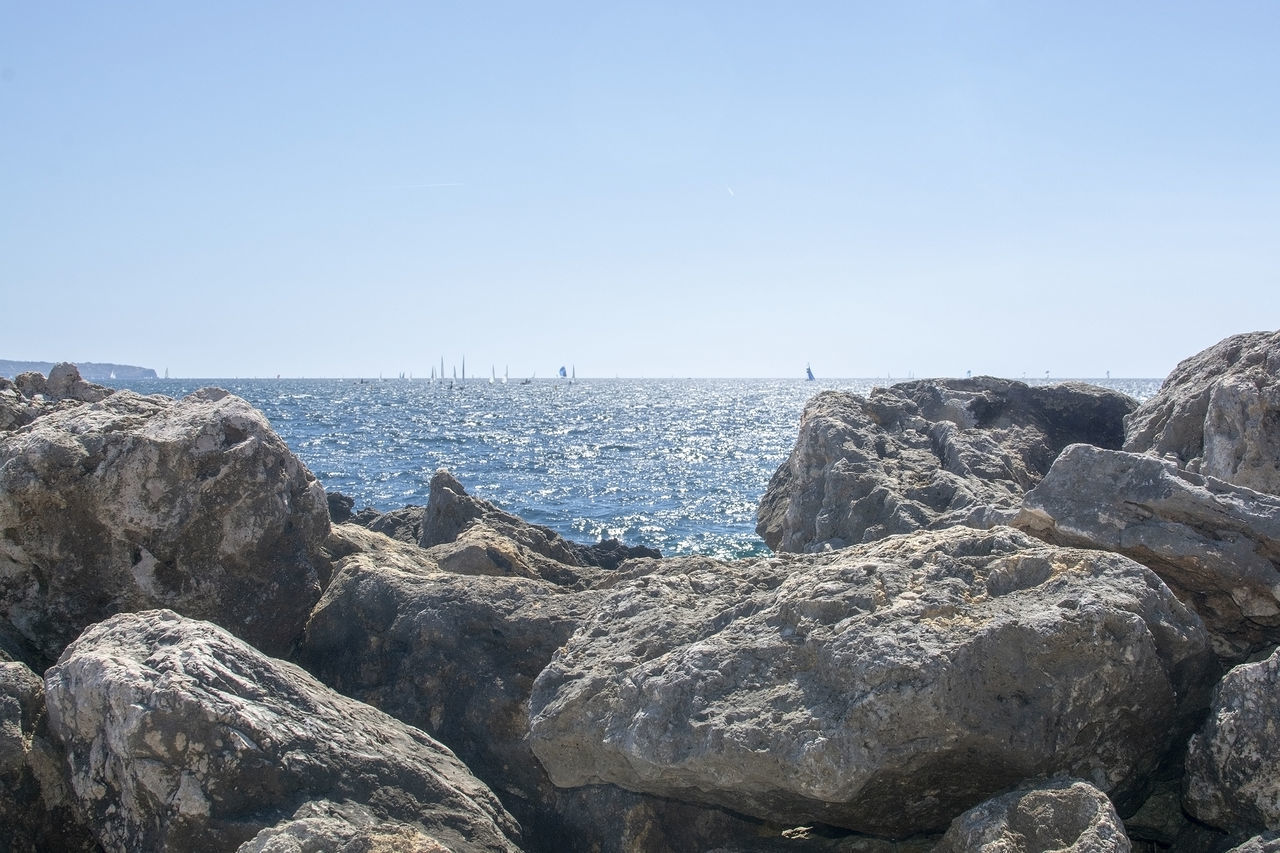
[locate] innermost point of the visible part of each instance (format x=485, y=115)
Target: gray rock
x=883, y=688
x=404, y=524
x=37, y=809
x=137, y=502
x=1268, y=842
x=1216, y=545
x=457, y=656
x=340, y=506
x=16, y=410
x=464, y=534
x=927, y=454
x=1218, y=413
x=64, y=383
x=1233, y=762
x=1065, y=816
x=326, y=827
x=181, y=737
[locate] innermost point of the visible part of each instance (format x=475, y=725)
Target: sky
x=651, y=189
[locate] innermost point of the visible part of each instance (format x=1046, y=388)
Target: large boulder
x=1218, y=413
x=883, y=688
x=1065, y=816
x=137, y=502
x=1233, y=762
x=1216, y=545
x=181, y=737
x=927, y=454
x=457, y=657
x=37, y=809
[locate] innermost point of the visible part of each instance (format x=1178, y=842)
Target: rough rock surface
x=451, y=513
x=883, y=688
x=1218, y=413
x=926, y=454
x=181, y=737
x=37, y=810
x=326, y=827
x=1064, y=816
x=137, y=502
x=1233, y=762
x=16, y=409
x=1268, y=842
x=1216, y=545
x=457, y=656
x=340, y=506
x=63, y=383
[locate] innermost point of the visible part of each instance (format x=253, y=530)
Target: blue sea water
x=677, y=465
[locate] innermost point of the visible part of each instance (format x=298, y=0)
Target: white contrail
x=731, y=192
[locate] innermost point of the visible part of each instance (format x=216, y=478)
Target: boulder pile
x=998, y=618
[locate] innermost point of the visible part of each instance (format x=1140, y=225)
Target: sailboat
x=506, y=373
x=808, y=374
x=493, y=375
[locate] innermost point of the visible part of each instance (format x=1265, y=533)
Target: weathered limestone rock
x=64, y=383
x=457, y=656
x=1216, y=545
x=181, y=737
x=16, y=409
x=884, y=688
x=137, y=502
x=464, y=531
x=37, y=810
x=1233, y=762
x=1064, y=816
x=325, y=827
x=1218, y=413
x=1268, y=842
x=340, y=506
x=927, y=454
x=404, y=524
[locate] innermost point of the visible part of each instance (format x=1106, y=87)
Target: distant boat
x=113, y=373
x=563, y=372
x=493, y=374
x=506, y=373
x=808, y=374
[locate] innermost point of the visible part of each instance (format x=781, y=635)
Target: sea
x=674, y=464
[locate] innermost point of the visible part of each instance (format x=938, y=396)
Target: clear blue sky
x=692, y=189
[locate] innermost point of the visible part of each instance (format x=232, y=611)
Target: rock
x=927, y=454
x=325, y=827
x=31, y=384
x=1216, y=545
x=181, y=737
x=451, y=514
x=883, y=688
x=64, y=383
x=1162, y=825
x=340, y=507
x=1066, y=816
x=403, y=524
x=481, y=550
x=15, y=409
x=1233, y=762
x=457, y=656
x=137, y=502
x=1218, y=413
x=37, y=811
x=1268, y=842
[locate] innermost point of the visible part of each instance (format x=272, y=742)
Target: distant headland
x=91, y=371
